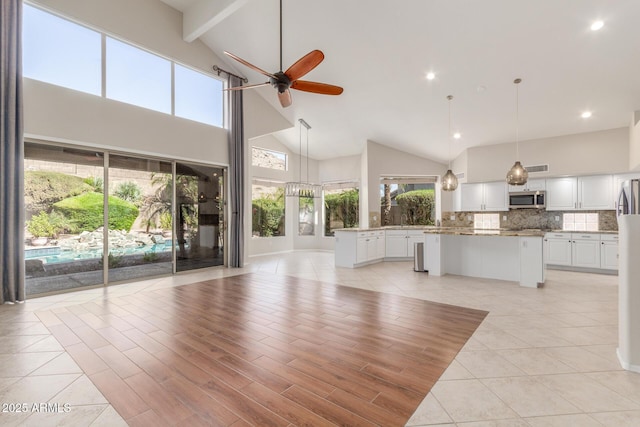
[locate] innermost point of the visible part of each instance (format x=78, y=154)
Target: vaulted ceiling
x=381, y=51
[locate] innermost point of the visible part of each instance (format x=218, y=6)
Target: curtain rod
x=220, y=70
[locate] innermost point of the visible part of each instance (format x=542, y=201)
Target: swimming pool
x=55, y=254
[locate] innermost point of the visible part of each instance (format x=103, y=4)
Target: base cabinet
x=355, y=248
x=583, y=250
x=400, y=243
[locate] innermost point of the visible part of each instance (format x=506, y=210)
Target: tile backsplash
x=534, y=218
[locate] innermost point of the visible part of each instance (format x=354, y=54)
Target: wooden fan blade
x=304, y=65
x=250, y=65
x=285, y=98
x=321, y=88
x=247, y=87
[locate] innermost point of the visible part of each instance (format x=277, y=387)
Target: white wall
x=591, y=153
x=634, y=142
x=382, y=160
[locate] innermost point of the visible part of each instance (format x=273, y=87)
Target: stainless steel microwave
x=527, y=200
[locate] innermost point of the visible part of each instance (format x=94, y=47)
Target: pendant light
x=449, y=179
x=302, y=188
x=517, y=175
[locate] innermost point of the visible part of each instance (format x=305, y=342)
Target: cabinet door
x=586, y=253
x=562, y=194
x=594, y=192
x=396, y=246
x=457, y=199
x=496, y=196
x=558, y=251
x=531, y=185
x=471, y=197
x=371, y=248
x=361, y=249
x=609, y=252
x=380, y=246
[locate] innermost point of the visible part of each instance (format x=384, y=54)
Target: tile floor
x=542, y=357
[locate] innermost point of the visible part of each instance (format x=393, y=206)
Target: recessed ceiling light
x=586, y=114
x=596, y=25
x=457, y=135
x=431, y=75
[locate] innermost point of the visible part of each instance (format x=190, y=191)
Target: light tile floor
x=542, y=357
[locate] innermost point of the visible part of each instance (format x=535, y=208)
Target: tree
x=386, y=205
x=418, y=206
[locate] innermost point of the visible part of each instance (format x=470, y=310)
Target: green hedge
x=42, y=189
x=85, y=212
x=418, y=206
x=344, y=207
x=267, y=217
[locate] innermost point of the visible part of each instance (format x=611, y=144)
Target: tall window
x=407, y=200
x=269, y=159
x=267, y=209
x=306, y=216
x=197, y=96
x=61, y=52
x=341, y=206
x=67, y=54
x=138, y=77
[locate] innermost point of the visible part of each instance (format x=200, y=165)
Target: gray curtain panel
x=236, y=175
x=11, y=153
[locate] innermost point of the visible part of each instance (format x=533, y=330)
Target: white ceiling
x=380, y=52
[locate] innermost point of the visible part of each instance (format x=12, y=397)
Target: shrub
x=342, y=207
x=96, y=182
x=42, y=189
x=166, y=221
x=418, y=206
x=267, y=217
x=129, y=191
x=85, y=212
x=40, y=226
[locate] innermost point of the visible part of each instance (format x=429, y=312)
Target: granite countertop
x=469, y=231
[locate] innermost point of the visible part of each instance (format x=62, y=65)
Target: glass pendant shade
x=517, y=175
x=449, y=181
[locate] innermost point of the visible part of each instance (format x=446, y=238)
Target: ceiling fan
x=285, y=80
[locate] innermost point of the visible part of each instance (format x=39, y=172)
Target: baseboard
x=625, y=365
x=581, y=269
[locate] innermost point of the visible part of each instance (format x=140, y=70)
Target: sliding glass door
x=64, y=213
x=140, y=219
x=156, y=224
x=200, y=201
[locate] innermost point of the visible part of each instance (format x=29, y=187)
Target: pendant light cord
x=450, y=98
x=517, y=82
x=300, y=155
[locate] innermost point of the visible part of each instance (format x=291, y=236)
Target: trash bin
x=418, y=256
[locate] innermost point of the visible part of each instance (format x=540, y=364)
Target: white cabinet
x=486, y=196
x=581, y=193
x=557, y=248
x=399, y=243
x=531, y=185
x=562, y=194
x=595, y=192
x=585, y=250
x=609, y=251
x=531, y=261
x=355, y=248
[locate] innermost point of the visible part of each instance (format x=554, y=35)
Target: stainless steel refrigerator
x=629, y=275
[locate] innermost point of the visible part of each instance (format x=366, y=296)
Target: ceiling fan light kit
x=285, y=80
x=518, y=174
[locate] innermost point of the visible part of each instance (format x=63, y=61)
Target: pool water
x=54, y=254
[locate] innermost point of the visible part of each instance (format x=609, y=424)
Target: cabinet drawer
x=585, y=236
x=414, y=233
x=609, y=237
x=396, y=232
x=558, y=236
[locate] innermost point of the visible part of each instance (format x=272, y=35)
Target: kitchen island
x=514, y=255
x=492, y=254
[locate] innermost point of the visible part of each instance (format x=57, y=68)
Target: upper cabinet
x=486, y=196
x=531, y=185
x=582, y=193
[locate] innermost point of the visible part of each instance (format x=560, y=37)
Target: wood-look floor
x=263, y=350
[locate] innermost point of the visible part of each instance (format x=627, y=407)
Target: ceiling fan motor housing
x=282, y=82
